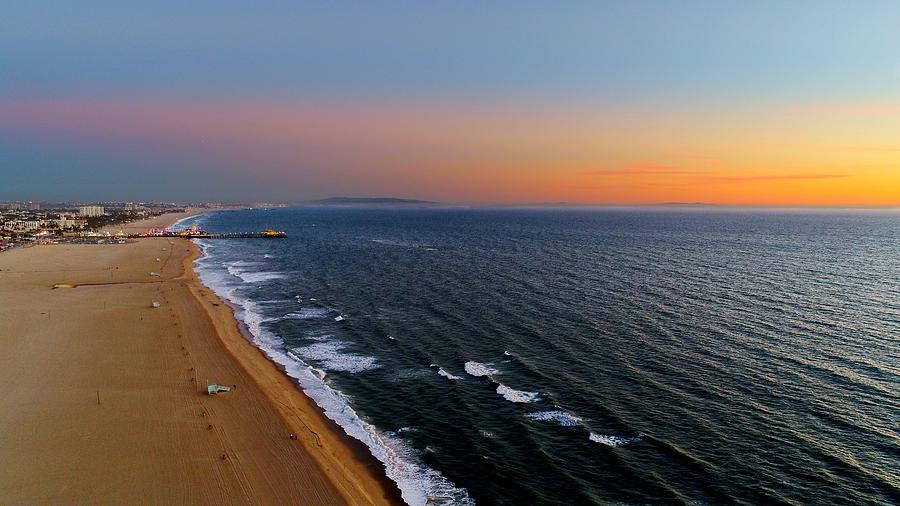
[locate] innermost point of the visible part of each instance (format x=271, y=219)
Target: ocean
x=588, y=356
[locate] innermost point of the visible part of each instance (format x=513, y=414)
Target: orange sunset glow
x=512, y=153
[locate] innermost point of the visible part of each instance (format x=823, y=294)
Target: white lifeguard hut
x=213, y=389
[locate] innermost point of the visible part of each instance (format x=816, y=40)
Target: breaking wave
x=614, y=440
x=447, y=375
x=331, y=357
x=513, y=395
x=307, y=313
x=478, y=369
x=563, y=418
x=418, y=484
x=240, y=270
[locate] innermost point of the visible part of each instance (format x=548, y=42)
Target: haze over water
x=590, y=356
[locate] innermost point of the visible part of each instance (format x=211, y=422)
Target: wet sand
x=103, y=398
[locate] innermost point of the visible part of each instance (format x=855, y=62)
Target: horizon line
x=418, y=202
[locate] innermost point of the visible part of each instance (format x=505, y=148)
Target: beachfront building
x=66, y=223
x=91, y=211
x=135, y=208
x=24, y=225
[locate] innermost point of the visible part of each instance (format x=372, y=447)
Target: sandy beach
x=103, y=397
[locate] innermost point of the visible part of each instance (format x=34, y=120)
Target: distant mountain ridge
x=686, y=204
x=369, y=201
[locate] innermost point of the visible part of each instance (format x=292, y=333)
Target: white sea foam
x=418, y=484
x=478, y=369
x=319, y=337
x=332, y=357
x=306, y=313
x=447, y=375
x=513, y=395
x=258, y=277
x=243, y=263
x=563, y=418
x=613, y=440
x=240, y=270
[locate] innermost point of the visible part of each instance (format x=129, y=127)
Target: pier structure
x=265, y=234
x=196, y=233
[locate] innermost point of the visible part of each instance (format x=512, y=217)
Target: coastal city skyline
x=594, y=103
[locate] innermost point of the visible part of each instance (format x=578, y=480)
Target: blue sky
x=700, y=55
x=655, y=50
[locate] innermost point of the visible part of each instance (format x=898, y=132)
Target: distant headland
x=685, y=204
x=370, y=202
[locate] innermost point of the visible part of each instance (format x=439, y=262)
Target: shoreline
x=108, y=403
x=388, y=454
x=299, y=410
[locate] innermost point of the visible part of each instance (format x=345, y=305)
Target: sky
x=640, y=102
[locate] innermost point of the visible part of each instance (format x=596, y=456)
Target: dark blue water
x=589, y=357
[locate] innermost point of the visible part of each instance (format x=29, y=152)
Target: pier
x=237, y=235
x=196, y=233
